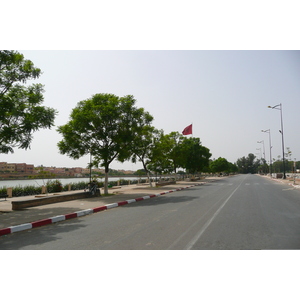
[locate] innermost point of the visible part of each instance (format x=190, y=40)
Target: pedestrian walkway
x=8, y=217
x=287, y=181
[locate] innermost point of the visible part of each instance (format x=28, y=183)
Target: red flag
x=188, y=130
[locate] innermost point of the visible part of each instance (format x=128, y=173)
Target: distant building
x=16, y=168
x=3, y=166
x=29, y=169
x=20, y=168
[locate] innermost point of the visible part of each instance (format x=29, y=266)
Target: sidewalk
x=9, y=218
x=287, y=181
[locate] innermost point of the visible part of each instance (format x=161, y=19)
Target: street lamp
x=281, y=131
x=259, y=152
x=269, y=132
x=263, y=148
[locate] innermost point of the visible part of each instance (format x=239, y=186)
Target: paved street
x=239, y=212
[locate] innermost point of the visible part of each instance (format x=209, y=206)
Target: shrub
x=27, y=190
x=54, y=186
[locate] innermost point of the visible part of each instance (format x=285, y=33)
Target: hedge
x=55, y=186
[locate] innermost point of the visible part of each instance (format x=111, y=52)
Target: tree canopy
x=105, y=126
x=21, y=112
x=144, y=147
x=248, y=164
x=219, y=165
x=196, y=155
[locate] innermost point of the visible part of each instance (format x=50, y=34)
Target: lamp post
x=259, y=152
x=263, y=148
x=281, y=131
x=269, y=132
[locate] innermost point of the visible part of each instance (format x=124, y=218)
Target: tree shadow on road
x=40, y=235
x=174, y=197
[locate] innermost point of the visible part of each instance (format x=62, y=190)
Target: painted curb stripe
x=59, y=218
x=71, y=216
x=5, y=231
x=41, y=223
x=100, y=208
x=112, y=205
x=139, y=199
x=84, y=212
x=122, y=203
x=131, y=201
x=21, y=227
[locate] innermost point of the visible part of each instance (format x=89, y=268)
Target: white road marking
x=199, y=234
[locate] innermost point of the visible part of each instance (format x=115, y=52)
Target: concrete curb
x=39, y=223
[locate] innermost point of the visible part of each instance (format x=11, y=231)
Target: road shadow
x=28, y=215
x=44, y=234
x=51, y=232
x=174, y=197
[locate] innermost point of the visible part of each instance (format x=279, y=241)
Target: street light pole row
x=269, y=132
x=279, y=107
x=263, y=148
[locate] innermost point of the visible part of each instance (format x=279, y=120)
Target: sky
x=224, y=94
x=215, y=65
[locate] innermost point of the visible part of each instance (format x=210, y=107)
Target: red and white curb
x=26, y=226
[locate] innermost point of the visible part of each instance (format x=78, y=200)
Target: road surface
x=239, y=212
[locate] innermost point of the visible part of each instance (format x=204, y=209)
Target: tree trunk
x=147, y=172
x=150, y=183
x=106, y=180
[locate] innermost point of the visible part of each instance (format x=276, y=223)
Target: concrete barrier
x=163, y=183
x=21, y=204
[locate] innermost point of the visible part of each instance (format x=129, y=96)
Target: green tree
x=233, y=168
x=105, y=126
x=144, y=144
x=21, y=112
x=248, y=164
x=219, y=165
x=161, y=162
x=196, y=155
x=140, y=172
x=174, y=150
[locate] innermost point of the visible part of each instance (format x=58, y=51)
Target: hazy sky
x=224, y=94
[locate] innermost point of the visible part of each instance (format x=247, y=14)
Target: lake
x=40, y=182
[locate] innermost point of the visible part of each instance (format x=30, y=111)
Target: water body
x=40, y=182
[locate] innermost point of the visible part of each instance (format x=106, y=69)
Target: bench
x=3, y=196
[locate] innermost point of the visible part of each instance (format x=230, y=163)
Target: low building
x=11, y=168
x=16, y=168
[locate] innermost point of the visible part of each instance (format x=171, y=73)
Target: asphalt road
x=239, y=212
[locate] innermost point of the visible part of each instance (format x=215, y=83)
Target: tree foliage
x=105, y=126
x=143, y=149
x=248, y=164
x=160, y=162
x=219, y=165
x=173, y=151
x=196, y=156
x=21, y=112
